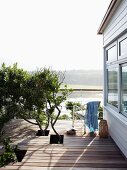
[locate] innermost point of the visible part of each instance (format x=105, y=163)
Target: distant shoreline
x=85, y=89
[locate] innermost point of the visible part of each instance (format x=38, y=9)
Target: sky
x=60, y=34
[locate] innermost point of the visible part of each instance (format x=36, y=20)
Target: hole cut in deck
x=20, y=154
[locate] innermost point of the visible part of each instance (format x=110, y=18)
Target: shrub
x=8, y=155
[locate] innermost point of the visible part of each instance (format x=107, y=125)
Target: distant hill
x=84, y=78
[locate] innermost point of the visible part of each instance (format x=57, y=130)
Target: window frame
x=122, y=112
x=122, y=38
x=119, y=63
x=108, y=104
x=108, y=48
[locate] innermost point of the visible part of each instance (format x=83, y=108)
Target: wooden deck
x=77, y=153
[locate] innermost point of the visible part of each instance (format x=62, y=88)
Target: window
x=112, y=54
x=112, y=80
x=123, y=48
x=116, y=65
x=124, y=89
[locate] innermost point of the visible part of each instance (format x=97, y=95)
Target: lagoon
x=83, y=96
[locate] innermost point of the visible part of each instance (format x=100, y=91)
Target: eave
x=109, y=13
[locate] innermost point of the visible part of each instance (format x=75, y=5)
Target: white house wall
x=117, y=124
x=117, y=24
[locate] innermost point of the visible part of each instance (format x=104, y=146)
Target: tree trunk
x=53, y=123
x=38, y=123
x=47, y=125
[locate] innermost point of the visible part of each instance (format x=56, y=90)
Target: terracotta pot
x=103, y=129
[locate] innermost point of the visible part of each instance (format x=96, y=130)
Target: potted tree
x=34, y=96
x=34, y=103
x=22, y=95
x=42, y=99
x=54, y=97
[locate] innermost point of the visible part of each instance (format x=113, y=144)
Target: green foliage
x=64, y=117
x=54, y=95
x=10, y=83
x=73, y=106
x=70, y=105
x=42, y=118
x=100, y=115
x=4, y=118
x=100, y=109
x=35, y=96
x=8, y=155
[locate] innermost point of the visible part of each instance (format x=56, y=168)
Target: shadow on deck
x=77, y=153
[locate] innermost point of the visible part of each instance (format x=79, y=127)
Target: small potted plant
x=100, y=114
x=73, y=106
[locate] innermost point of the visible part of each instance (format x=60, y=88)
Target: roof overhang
x=110, y=11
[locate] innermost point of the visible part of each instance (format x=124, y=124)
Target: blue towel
x=91, y=119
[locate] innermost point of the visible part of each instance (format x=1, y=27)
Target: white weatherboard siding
x=117, y=24
x=114, y=30
x=117, y=124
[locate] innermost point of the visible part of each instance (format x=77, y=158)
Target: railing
x=83, y=96
x=76, y=113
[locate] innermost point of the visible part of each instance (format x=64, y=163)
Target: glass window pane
x=113, y=86
x=123, y=48
x=112, y=54
x=124, y=89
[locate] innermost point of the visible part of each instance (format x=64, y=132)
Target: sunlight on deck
x=78, y=152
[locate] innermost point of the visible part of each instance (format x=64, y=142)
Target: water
x=83, y=97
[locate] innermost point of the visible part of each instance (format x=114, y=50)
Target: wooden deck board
x=102, y=153
x=77, y=153
x=58, y=168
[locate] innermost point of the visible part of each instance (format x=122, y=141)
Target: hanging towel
x=91, y=119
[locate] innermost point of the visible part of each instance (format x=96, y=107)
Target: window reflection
x=112, y=86
x=123, y=48
x=112, y=54
x=124, y=89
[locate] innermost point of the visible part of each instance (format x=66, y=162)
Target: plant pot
x=103, y=129
x=56, y=139
x=42, y=133
x=20, y=154
x=71, y=132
